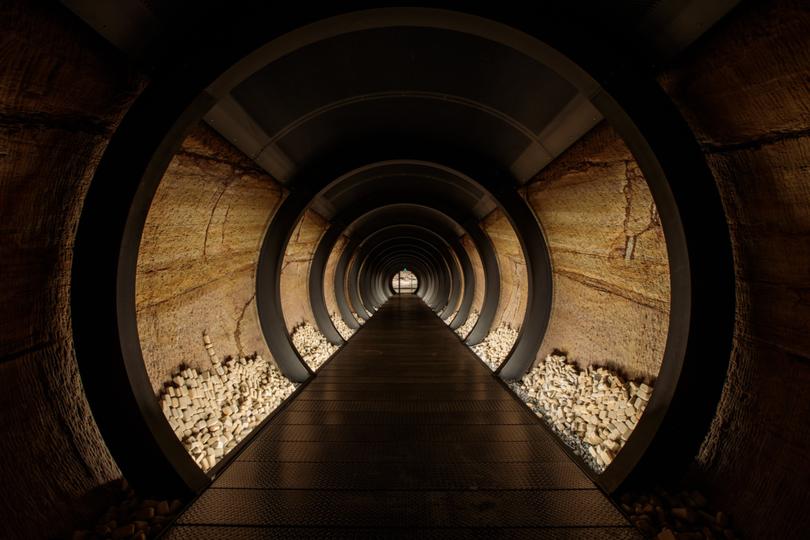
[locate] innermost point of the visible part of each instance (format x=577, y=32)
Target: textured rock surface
x=62, y=93
x=743, y=90
x=453, y=309
x=593, y=410
x=295, y=269
x=198, y=254
x=478, y=273
x=512, y=267
x=329, y=274
x=610, y=269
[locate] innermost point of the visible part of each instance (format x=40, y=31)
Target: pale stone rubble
x=210, y=411
x=358, y=318
x=675, y=514
x=313, y=346
x=449, y=318
x=465, y=328
x=593, y=410
x=496, y=346
x=128, y=515
x=341, y=326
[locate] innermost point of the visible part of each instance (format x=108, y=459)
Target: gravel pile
x=341, y=326
x=683, y=514
x=449, y=318
x=592, y=410
x=496, y=346
x=129, y=516
x=358, y=318
x=465, y=328
x=212, y=410
x=312, y=345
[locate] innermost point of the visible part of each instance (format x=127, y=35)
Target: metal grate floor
x=404, y=434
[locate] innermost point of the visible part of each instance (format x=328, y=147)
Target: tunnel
x=405, y=270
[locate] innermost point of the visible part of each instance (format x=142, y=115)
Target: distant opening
x=404, y=282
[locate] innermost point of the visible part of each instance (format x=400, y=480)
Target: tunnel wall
x=610, y=272
x=512, y=266
x=478, y=272
x=358, y=315
x=197, y=259
x=295, y=269
x=453, y=307
x=63, y=92
x=329, y=274
x=743, y=90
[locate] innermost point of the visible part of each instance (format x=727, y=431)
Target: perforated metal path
x=404, y=434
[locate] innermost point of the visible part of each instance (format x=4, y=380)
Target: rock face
x=341, y=326
x=609, y=259
x=212, y=410
x=743, y=91
x=496, y=346
x=512, y=269
x=593, y=410
x=468, y=325
x=295, y=269
x=478, y=274
x=63, y=92
x=312, y=345
x=197, y=259
x=329, y=274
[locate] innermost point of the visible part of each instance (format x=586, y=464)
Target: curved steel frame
x=460, y=216
x=107, y=240
x=417, y=233
x=440, y=277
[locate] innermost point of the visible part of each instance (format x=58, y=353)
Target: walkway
x=404, y=433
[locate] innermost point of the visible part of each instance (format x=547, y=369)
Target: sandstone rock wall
x=453, y=308
x=744, y=91
x=348, y=297
x=198, y=254
x=512, y=267
x=295, y=269
x=329, y=274
x=610, y=272
x=478, y=273
x=63, y=91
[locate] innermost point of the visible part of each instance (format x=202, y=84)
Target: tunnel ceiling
x=407, y=179
x=433, y=85
x=423, y=83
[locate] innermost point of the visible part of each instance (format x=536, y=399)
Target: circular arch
x=105, y=251
x=438, y=280
x=411, y=233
